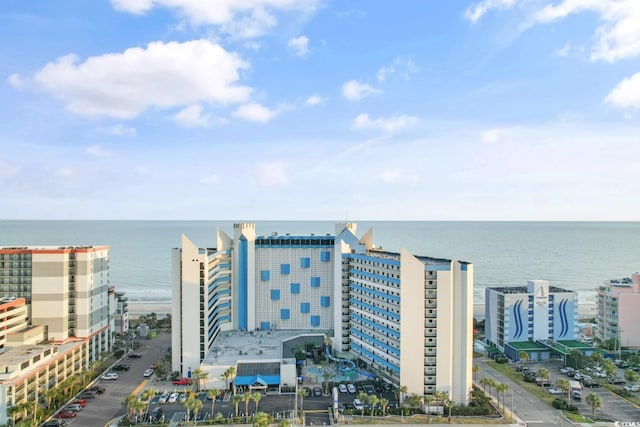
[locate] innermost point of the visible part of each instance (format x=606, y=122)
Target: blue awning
x=263, y=380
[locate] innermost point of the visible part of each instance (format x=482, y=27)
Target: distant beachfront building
x=399, y=314
x=525, y=318
x=618, y=313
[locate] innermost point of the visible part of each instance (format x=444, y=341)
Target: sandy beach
x=138, y=308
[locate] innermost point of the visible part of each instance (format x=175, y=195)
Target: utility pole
x=512, y=408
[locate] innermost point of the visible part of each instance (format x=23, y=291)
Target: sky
x=320, y=109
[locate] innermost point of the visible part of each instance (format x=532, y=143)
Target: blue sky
x=317, y=109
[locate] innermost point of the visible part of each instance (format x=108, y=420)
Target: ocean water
x=574, y=255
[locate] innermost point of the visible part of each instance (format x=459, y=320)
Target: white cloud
x=386, y=124
x=564, y=50
x=65, y=172
x=97, y=150
x=396, y=176
x=353, y=90
x=162, y=75
x=315, y=100
x=494, y=136
x=118, y=130
x=619, y=35
x=243, y=19
x=15, y=81
x=254, y=112
x=403, y=67
x=253, y=45
x=476, y=11
x=626, y=94
x=210, y=179
x=192, y=117
x=299, y=45
x=271, y=174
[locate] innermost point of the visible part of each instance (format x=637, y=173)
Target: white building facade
x=537, y=312
x=618, y=315
x=398, y=313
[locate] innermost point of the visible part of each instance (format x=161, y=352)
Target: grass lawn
x=533, y=388
x=577, y=418
x=422, y=419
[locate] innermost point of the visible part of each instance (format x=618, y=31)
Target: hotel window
x=315, y=282
x=325, y=256
x=275, y=294
x=305, y=262
x=305, y=307
x=285, y=268
x=295, y=288
x=325, y=301
x=265, y=275
x=315, y=321
x=285, y=314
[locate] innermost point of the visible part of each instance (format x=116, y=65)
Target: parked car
x=616, y=380
x=182, y=381
x=121, y=367
x=109, y=376
x=53, y=423
x=590, y=383
x=97, y=389
x=357, y=404
x=134, y=355
x=87, y=395
x=555, y=391
x=317, y=391
x=66, y=414
x=342, y=388
x=81, y=402
x=600, y=374
x=173, y=397
x=351, y=388
x=75, y=407
x=148, y=373
x=156, y=414
x=163, y=397
x=632, y=387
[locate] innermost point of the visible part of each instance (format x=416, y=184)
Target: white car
x=148, y=373
x=173, y=398
x=342, y=388
x=357, y=404
x=555, y=391
x=110, y=376
x=163, y=397
x=351, y=388
x=632, y=387
x=600, y=374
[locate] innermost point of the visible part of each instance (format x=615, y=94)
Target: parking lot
x=614, y=407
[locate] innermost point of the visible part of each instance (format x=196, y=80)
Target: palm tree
x=189, y=405
x=500, y=389
x=203, y=378
x=609, y=367
x=261, y=420
x=595, y=402
x=131, y=402
x=324, y=365
x=446, y=401
x=491, y=384
x=544, y=374
x=596, y=357
x=212, y=394
x=630, y=376
x=402, y=391
x=428, y=398
x=246, y=398
x=563, y=384
x=577, y=357
x=256, y=396
x=364, y=398
x=524, y=357
x=232, y=375
x=301, y=394
x=139, y=407
x=196, y=375
x=476, y=368
x=236, y=401
x=384, y=403
x=148, y=395
x=197, y=406
x=483, y=382
x=373, y=401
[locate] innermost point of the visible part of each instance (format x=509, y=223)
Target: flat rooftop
x=526, y=345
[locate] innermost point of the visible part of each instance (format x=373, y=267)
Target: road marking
x=534, y=422
x=316, y=411
x=140, y=387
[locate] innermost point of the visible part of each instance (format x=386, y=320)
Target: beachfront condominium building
x=398, y=313
x=618, y=316
x=534, y=313
x=66, y=290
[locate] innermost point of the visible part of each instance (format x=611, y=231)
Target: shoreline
x=163, y=308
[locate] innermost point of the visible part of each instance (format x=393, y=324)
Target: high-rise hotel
x=398, y=313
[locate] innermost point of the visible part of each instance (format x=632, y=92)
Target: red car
x=80, y=402
x=182, y=381
x=66, y=414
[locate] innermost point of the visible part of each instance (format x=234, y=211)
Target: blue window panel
x=305, y=262
x=325, y=256
x=295, y=288
x=275, y=294
x=265, y=326
x=285, y=268
x=325, y=301
x=315, y=321
x=285, y=314
x=305, y=307
x=265, y=275
x=315, y=282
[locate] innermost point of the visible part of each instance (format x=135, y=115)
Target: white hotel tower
x=398, y=313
